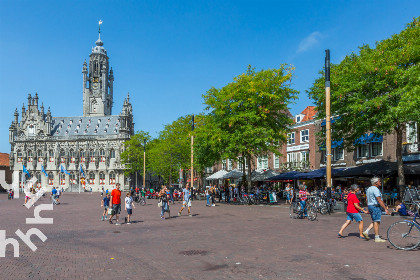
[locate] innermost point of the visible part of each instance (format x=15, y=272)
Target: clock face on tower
x=95, y=86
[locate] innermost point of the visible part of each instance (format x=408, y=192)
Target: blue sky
x=168, y=53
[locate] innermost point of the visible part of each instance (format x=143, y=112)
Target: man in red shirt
x=115, y=203
x=353, y=210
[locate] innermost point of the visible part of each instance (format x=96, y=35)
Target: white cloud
x=309, y=41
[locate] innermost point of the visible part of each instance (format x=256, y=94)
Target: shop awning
x=218, y=175
x=318, y=173
x=369, y=138
x=234, y=174
x=285, y=176
x=261, y=175
x=381, y=167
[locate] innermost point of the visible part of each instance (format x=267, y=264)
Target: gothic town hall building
x=93, y=141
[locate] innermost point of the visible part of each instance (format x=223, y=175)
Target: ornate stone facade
x=93, y=141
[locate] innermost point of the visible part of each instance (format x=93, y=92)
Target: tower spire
x=99, y=31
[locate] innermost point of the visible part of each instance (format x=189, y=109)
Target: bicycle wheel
x=323, y=210
x=312, y=212
x=143, y=201
x=404, y=235
x=294, y=210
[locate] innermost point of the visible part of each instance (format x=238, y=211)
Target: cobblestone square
x=222, y=242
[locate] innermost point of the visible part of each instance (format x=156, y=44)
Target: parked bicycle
x=405, y=235
x=296, y=211
x=139, y=200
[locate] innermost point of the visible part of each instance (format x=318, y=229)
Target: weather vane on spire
x=100, y=22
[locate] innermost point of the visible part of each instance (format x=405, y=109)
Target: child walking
x=105, y=205
x=129, y=205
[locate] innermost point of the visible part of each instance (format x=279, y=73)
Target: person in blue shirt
x=187, y=200
x=105, y=205
x=54, y=195
x=400, y=209
x=375, y=203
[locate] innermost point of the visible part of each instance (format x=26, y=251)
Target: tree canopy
x=375, y=90
x=249, y=116
x=132, y=156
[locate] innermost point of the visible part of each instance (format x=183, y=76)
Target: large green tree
x=375, y=90
x=132, y=155
x=171, y=151
x=249, y=116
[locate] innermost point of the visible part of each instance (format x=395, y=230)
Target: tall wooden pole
x=192, y=153
x=328, y=114
x=144, y=165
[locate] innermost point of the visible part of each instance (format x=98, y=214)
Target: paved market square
x=222, y=242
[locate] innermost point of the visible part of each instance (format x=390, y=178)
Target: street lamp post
x=328, y=115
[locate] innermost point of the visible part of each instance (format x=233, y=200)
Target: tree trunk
x=248, y=186
x=401, y=178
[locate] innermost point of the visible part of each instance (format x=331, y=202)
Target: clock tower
x=97, y=82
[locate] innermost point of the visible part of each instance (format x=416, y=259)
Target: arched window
x=72, y=178
x=102, y=154
x=72, y=156
x=91, y=178
x=51, y=155
x=92, y=155
x=50, y=178
x=82, y=156
x=101, y=178
x=39, y=156
x=62, y=156
x=19, y=156
x=29, y=156
x=112, y=153
x=38, y=180
x=112, y=178
x=62, y=179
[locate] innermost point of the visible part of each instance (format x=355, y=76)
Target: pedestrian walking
x=186, y=201
x=129, y=205
x=115, y=204
x=374, y=202
x=303, y=196
x=207, y=192
x=53, y=195
x=57, y=196
x=353, y=210
x=105, y=205
x=163, y=199
x=171, y=193
x=212, y=195
x=288, y=201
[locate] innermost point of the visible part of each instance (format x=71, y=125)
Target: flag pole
x=328, y=115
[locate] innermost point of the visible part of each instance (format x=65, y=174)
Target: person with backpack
x=163, y=200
